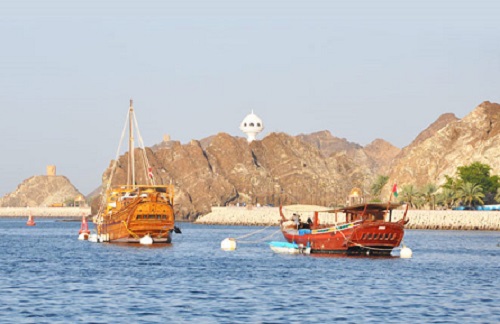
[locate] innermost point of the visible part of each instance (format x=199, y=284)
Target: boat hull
x=375, y=238
x=147, y=214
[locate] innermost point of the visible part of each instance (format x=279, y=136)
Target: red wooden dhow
x=367, y=229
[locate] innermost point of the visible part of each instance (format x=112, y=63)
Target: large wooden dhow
x=136, y=213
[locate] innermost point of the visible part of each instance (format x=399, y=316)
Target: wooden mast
x=131, y=162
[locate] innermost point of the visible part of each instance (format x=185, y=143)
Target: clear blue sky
x=360, y=69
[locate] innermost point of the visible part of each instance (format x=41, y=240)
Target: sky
x=361, y=69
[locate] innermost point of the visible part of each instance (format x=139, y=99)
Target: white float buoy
x=228, y=244
x=405, y=253
x=146, y=240
x=83, y=236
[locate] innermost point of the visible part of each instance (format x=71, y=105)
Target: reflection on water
x=47, y=275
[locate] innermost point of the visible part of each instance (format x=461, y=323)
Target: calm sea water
x=48, y=276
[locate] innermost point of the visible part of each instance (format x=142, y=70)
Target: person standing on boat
x=296, y=220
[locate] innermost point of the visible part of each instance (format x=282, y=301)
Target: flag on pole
x=150, y=172
x=395, y=190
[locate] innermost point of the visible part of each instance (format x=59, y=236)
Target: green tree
x=470, y=193
x=376, y=187
x=429, y=195
x=479, y=174
x=497, y=197
x=410, y=195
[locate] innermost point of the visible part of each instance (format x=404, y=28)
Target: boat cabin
x=369, y=212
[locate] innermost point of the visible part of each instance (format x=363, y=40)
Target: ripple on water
x=46, y=274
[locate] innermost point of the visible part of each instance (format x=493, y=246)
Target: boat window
x=375, y=236
x=251, y=125
x=158, y=216
x=369, y=237
x=258, y=124
x=364, y=236
x=163, y=216
x=151, y=216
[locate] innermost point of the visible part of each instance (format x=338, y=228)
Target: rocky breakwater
x=419, y=219
x=71, y=212
x=451, y=219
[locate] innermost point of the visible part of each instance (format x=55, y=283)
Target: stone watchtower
x=51, y=170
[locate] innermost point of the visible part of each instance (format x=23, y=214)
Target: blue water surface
x=48, y=276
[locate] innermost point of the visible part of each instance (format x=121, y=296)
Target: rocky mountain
x=41, y=191
x=449, y=143
x=376, y=156
x=230, y=170
x=315, y=168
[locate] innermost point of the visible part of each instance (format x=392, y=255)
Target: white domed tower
x=251, y=126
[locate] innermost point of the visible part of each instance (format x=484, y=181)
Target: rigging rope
x=113, y=168
x=144, y=155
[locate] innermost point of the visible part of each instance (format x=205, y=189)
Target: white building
x=251, y=126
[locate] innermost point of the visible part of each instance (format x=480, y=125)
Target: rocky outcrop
x=382, y=153
x=448, y=144
x=279, y=168
x=41, y=191
x=329, y=144
x=316, y=168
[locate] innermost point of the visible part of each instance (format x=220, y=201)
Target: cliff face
x=445, y=146
x=229, y=170
x=40, y=191
x=316, y=168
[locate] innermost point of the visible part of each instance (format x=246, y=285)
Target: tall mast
x=131, y=162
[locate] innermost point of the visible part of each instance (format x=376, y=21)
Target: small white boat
x=289, y=248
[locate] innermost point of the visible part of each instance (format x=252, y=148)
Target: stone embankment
x=45, y=211
x=419, y=219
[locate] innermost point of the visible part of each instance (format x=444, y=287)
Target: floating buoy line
x=230, y=243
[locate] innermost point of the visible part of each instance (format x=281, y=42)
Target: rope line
x=262, y=239
x=252, y=233
x=128, y=230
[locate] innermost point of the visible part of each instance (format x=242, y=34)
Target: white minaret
x=251, y=126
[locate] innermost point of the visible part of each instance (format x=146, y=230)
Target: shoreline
x=44, y=212
x=419, y=219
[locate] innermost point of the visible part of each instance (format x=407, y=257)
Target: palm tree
x=428, y=194
x=469, y=193
x=409, y=194
x=447, y=197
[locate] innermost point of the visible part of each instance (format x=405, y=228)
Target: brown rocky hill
x=40, y=191
x=230, y=170
x=316, y=168
x=376, y=156
x=449, y=143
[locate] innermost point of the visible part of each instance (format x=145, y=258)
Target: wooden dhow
x=366, y=229
x=130, y=212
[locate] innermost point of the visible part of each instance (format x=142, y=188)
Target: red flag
x=150, y=172
x=395, y=190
